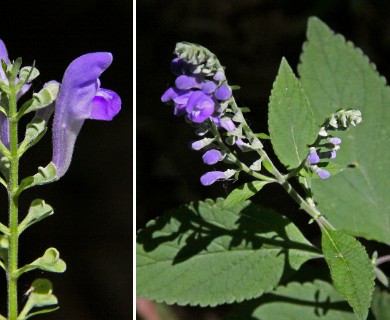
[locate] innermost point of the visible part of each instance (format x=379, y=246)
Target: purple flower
x=179, y=98
x=225, y=123
x=223, y=92
x=188, y=82
x=313, y=157
x=80, y=98
x=219, y=76
x=335, y=140
x=209, y=87
x=200, y=106
x=323, y=174
x=212, y=156
x=210, y=177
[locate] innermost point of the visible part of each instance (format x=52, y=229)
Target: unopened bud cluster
x=326, y=144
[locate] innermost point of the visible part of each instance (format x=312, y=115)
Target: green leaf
x=290, y=119
x=244, y=192
x=204, y=254
x=38, y=211
x=40, y=295
x=351, y=269
x=381, y=304
x=50, y=262
x=335, y=74
x=307, y=301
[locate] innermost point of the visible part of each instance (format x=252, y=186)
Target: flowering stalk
x=202, y=94
x=13, y=186
x=80, y=98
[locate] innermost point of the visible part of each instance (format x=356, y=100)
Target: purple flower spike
x=313, y=157
x=200, y=106
x=210, y=177
x=212, y=156
x=223, y=92
x=323, y=174
x=188, y=82
x=80, y=98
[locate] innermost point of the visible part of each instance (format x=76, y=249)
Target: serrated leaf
x=351, y=269
x=380, y=305
x=244, y=192
x=335, y=74
x=308, y=301
x=204, y=254
x=290, y=119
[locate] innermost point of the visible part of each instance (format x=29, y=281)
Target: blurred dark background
x=250, y=38
x=92, y=221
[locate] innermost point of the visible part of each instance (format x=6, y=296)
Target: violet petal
x=323, y=174
x=210, y=177
x=105, y=105
x=209, y=87
x=212, y=156
x=200, y=106
x=79, y=87
x=188, y=82
x=223, y=92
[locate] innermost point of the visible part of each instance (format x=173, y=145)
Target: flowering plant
x=77, y=98
x=230, y=250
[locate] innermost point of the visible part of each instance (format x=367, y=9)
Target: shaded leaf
x=290, y=119
x=306, y=301
x=335, y=74
x=351, y=269
x=205, y=254
x=381, y=304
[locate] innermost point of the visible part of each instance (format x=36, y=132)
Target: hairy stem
x=308, y=206
x=13, y=185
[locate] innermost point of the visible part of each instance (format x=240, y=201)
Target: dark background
x=91, y=225
x=250, y=38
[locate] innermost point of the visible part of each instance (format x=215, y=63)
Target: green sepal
x=50, y=261
x=45, y=175
x=13, y=70
x=46, y=96
x=38, y=211
x=35, y=130
x=40, y=295
x=28, y=74
x=263, y=136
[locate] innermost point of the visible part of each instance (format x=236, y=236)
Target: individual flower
x=323, y=174
x=80, y=98
x=313, y=157
x=223, y=92
x=200, y=106
x=210, y=177
x=212, y=156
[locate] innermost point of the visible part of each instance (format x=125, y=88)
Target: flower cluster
x=196, y=94
x=341, y=120
x=201, y=93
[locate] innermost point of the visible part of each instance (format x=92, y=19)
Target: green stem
x=308, y=206
x=13, y=185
